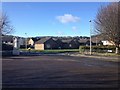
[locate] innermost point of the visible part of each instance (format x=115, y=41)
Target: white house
x=106, y=42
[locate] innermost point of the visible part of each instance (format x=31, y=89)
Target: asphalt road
x=57, y=71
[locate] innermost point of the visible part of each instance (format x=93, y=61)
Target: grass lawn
x=53, y=50
x=70, y=50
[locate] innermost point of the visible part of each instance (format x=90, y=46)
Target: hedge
x=7, y=47
x=101, y=49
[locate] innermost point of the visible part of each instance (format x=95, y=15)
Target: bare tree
x=107, y=21
x=5, y=27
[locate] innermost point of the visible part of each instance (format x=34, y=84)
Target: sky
x=51, y=18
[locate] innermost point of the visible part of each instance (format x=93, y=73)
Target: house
x=7, y=39
x=58, y=43
x=97, y=40
x=8, y=42
x=106, y=42
x=69, y=44
x=31, y=41
x=45, y=43
x=22, y=41
x=101, y=40
x=84, y=42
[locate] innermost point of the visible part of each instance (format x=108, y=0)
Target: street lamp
x=90, y=36
x=26, y=41
x=96, y=40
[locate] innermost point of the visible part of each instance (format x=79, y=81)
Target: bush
x=7, y=47
x=99, y=49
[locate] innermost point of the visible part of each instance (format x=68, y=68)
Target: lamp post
x=96, y=40
x=26, y=41
x=90, y=36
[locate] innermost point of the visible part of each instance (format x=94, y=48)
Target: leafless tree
x=107, y=21
x=5, y=26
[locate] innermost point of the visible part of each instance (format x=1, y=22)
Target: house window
x=87, y=45
x=48, y=45
x=70, y=45
x=8, y=42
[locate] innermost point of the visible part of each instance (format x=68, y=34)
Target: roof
x=83, y=40
x=35, y=39
x=43, y=40
x=66, y=40
x=96, y=38
x=7, y=38
x=55, y=39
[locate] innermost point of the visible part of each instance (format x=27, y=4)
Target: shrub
x=7, y=47
x=100, y=49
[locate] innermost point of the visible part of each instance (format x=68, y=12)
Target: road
x=57, y=71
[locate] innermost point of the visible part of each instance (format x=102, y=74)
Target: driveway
x=58, y=71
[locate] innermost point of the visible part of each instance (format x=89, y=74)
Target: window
x=48, y=45
x=70, y=45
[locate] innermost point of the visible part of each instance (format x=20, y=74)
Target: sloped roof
x=35, y=39
x=43, y=40
x=66, y=40
x=55, y=39
x=96, y=38
x=7, y=38
x=83, y=40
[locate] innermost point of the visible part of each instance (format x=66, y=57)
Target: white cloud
x=66, y=18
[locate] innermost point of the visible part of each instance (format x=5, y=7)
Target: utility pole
x=90, y=37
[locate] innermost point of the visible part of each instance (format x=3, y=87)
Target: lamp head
x=90, y=21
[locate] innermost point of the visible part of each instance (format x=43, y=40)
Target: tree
x=106, y=23
x=5, y=27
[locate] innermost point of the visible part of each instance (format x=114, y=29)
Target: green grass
x=54, y=50
x=69, y=50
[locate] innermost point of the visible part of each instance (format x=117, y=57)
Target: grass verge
x=53, y=50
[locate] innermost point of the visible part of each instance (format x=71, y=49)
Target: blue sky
x=51, y=19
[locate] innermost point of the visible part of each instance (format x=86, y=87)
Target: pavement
x=59, y=71
x=101, y=57
x=75, y=54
